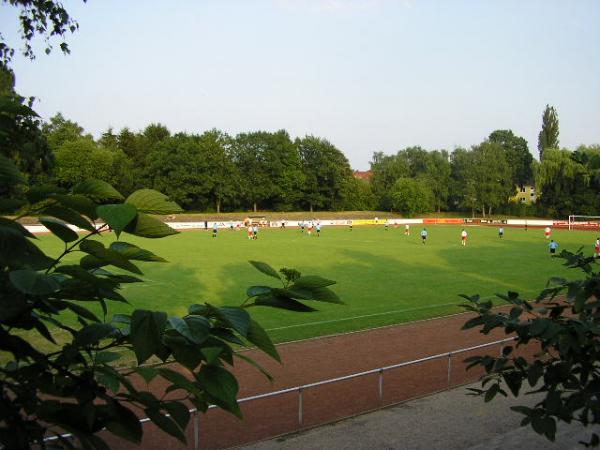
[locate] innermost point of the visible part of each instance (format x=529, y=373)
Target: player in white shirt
x=463, y=237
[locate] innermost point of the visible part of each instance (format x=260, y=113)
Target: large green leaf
x=219, y=383
x=312, y=282
x=97, y=190
x=92, y=334
x=9, y=174
x=69, y=216
x=265, y=268
x=145, y=226
x=146, y=334
x=79, y=203
x=31, y=282
x=134, y=252
x=237, y=317
x=259, y=337
x=124, y=423
x=166, y=424
x=178, y=412
x=282, y=302
x=97, y=250
x=117, y=216
x=59, y=229
x=152, y=202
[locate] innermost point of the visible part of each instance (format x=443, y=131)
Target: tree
x=563, y=325
x=326, y=172
x=437, y=174
x=386, y=170
x=59, y=130
x=517, y=154
x=46, y=18
x=270, y=167
x=74, y=386
x=491, y=176
x=548, y=137
x=412, y=196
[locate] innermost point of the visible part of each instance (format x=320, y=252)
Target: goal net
x=584, y=222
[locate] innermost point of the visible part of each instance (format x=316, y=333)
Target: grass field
x=383, y=276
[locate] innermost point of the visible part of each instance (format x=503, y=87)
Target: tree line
x=264, y=170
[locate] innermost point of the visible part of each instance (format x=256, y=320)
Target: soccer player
x=250, y=233
x=597, y=248
x=309, y=228
x=463, y=237
x=407, y=230
x=255, y=232
x=501, y=232
x=350, y=225
x=318, y=229
x=423, y=235
x=302, y=227
x=553, y=246
x=547, y=232
x=215, y=229
x=386, y=224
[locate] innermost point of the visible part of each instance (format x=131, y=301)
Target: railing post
x=380, y=386
x=300, y=407
x=196, y=430
x=449, y=368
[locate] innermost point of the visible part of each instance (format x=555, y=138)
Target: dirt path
x=320, y=359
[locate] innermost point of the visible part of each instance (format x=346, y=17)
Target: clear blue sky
x=369, y=75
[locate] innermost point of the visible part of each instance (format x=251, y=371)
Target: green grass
x=383, y=276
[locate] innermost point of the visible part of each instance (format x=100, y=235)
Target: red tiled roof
x=363, y=174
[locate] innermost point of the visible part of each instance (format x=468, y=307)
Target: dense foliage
x=563, y=325
x=68, y=381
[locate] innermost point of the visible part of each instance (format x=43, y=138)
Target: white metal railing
x=300, y=389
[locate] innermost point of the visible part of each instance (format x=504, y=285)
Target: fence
x=447, y=375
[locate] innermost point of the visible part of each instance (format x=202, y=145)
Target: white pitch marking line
x=362, y=317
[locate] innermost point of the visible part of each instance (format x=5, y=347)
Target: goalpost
x=584, y=221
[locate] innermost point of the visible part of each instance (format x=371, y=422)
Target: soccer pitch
x=384, y=277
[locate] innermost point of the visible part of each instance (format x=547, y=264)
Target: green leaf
x=325, y=295
x=79, y=203
x=134, y=252
x=199, y=328
x=59, y=229
x=146, y=333
x=312, y=282
x=124, y=423
x=9, y=174
x=179, y=413
x=97, y=190
x=92, y=334
x=259, y=337
x=107, y=357
x=31, y=282
x=69, y=216
x=279, y=301
x=237, y=317
x=180, y=381
x=165, y=423
x=149, y=227
x=219, y=383
x=544, y=425
x=147, y=373
x=117, y=216
x=152, y=202
x=265, y=268
x=254, y=291
x=108, y=256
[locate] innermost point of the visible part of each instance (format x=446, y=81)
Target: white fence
x=196, y=443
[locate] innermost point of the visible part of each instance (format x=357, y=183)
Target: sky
x=367, y=75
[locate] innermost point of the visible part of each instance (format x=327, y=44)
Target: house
x=525, y=194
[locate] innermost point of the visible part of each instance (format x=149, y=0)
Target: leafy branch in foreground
x=563, y=324
x=75, y=386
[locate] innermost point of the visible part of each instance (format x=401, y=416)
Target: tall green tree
x=386, y=171
x=271, y=169
x=59, y=130
x=327, y=173
x=437, y=174
x=517, y=154
x=548, y=137
x=412, y=196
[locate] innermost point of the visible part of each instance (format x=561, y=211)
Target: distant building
x=363, y=174
x=525, y=194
